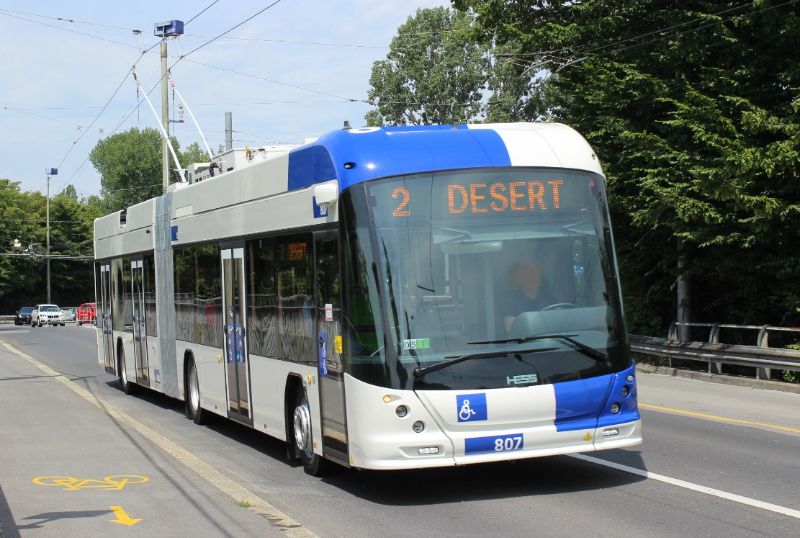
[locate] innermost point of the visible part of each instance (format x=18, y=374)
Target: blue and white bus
x=383, y=298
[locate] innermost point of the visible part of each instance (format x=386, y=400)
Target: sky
x=299, y=69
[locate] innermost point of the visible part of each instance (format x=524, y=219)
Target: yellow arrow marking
x=123, y=518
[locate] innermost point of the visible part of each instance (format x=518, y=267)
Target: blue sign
x=494, y=443
x=323, y=353
x=319, y=210
x=471, y=407
x=174, y=232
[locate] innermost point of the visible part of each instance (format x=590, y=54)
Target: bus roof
x=356, y=155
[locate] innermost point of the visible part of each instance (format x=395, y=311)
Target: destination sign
x=497, y=197
x=478, y=194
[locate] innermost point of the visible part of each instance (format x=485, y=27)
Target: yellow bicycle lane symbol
x=109, y=483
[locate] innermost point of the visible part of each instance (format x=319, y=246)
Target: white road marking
x=692, y=486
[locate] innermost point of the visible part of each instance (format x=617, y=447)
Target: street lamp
x=49, y=172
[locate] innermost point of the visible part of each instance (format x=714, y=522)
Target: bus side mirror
x=326, y=193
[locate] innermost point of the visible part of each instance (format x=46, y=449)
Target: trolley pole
x=164, y=115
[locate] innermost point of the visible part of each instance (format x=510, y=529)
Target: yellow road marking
x=287, y=525
x=123, y=518
x=109, y=483
x=716, y=418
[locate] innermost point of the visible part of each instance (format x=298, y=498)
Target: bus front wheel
x=313, y=464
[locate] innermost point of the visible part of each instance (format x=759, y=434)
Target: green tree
x=129, y=164
x=433, y=74
x=694, y=110
x=193, y=154
x=22, y=227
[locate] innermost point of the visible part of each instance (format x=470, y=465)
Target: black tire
x=303, y=438
x=124, y=384
x=80, y=323
x=192, y=395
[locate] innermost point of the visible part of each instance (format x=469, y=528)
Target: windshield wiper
x=419, y=373
x=580, y=346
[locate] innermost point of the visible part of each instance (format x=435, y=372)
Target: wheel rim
x=194, y=390
x=302, y=428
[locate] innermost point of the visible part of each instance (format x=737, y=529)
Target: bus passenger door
x=237, y=373
x=139, y=330
x=327, y=291
x=104, y=318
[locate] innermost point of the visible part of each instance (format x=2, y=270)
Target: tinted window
x=262, y=299
x=198, y=297
x=294, y=275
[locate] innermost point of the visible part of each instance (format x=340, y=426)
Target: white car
x=47, y=314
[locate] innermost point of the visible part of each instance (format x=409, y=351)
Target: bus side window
x=262, y=299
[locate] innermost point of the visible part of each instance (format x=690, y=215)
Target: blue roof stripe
x=392, y=151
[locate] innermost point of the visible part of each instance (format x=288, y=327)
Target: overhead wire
x=201, y=12
x=68, y=20
x=115, y=42
x=232, y=28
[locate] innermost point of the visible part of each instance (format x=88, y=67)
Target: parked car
x=87, y=313
x=23, y=316
x=47, y=314
x=69, y=313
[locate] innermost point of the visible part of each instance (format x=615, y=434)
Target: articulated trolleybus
x=384, y=298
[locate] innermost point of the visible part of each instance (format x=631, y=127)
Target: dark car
x=23, y=316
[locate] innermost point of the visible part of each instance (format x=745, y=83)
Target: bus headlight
x=418, y=426
x=401, y=411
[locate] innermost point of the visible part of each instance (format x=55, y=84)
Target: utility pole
x=172, y=28
x=228, y=131
x=164, y=115
x=49, y=172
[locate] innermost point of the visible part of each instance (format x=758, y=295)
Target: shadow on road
x=49, y=517
x=534, y=477
x=8, y=528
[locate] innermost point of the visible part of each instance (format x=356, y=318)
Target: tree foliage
x=129, y=164
x=23, y=230
x=693, y=109
x=433, y=74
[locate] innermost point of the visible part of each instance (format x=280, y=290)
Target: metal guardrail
x=761, y=357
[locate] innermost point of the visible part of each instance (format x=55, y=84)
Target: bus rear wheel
x=124, y=384
x=313, y=464
x=193, y=409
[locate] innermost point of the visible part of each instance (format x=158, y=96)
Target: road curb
x=762, y=384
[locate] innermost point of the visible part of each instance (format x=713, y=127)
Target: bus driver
x=534, y=292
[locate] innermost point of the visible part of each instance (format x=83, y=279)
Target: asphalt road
x=722, y=461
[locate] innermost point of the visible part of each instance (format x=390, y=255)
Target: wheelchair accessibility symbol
x=471, y=407
x=466, y=411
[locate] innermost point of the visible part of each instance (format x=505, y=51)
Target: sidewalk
x=68, y=468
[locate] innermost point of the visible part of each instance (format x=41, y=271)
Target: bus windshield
x=483, y=279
